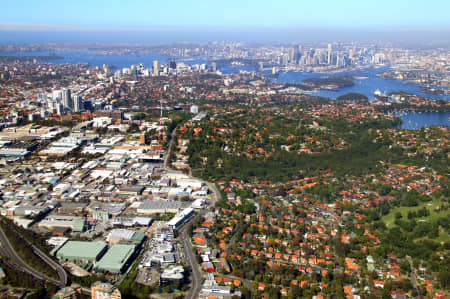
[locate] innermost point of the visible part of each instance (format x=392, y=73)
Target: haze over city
x=200, y=21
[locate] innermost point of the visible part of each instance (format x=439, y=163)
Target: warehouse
x=124, y=236
x=117, y=259
x=82, y=251
x=128, y=221
x=159, y=206
x=76, y=224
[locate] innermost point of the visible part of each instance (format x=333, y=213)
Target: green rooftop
x=82, y=251
x=116, y=258
x=138, y=237
x=78, y=225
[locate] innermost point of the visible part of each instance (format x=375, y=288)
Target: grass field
x=431, y=206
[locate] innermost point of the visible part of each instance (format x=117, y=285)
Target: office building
x=156, y=67
x=59, y=109
x=260, y=66
x=329, y=54
x=67, y=99
x=77, y=103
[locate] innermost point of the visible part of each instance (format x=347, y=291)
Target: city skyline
x=114, y=15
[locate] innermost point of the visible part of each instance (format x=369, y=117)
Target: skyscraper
x=59, y=109
x=77, y=103
x=156, y=68
x=214, y=66
x=66, y=99
x=293, y=54
x=260, y=66
x=329, y=54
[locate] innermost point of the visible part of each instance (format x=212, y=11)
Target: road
x=169, y=147
x=190, y=258
x=413, y=275
x=184, y=236
x=10, y=253
x=54, y=265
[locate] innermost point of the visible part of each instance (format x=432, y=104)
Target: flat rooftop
x=160, y=204
x=115, y=258
x=82, y=250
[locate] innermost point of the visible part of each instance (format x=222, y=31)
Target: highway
x=62, y=275
x=15, y=260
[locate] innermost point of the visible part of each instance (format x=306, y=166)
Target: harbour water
x=366, y=86
x=413, y=120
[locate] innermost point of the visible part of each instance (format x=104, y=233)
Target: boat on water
x=380, y=96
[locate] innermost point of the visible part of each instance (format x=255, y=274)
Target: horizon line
x=51, y=27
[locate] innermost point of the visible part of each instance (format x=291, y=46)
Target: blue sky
x=331, y=14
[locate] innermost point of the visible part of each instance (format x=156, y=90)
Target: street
x=10, y=253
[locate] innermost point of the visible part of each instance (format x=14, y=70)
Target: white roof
x=120, y=234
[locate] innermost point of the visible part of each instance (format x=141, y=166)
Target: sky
x=138, y=14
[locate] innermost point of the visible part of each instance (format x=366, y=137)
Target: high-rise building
x=103, y=290
x=59, y=109
x=67, y=99
x=214, y=67
x=291, y=54
x=156, y=67
x=329, y=54
x=260, y=66
x=77, y=103
x=142, y=139
x=57, y=95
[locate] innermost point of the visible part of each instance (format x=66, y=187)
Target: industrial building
x=81, y=251
x=128, y=221
x=159, y=206
x=116, y=259
x=125, y=236
x=75, y=223
x=181, y=218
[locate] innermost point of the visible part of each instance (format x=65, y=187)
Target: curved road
x=9, y=251
x=55, y=266
x=216, y=194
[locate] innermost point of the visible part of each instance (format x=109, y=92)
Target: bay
x=413, y=120
x=366, y=87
